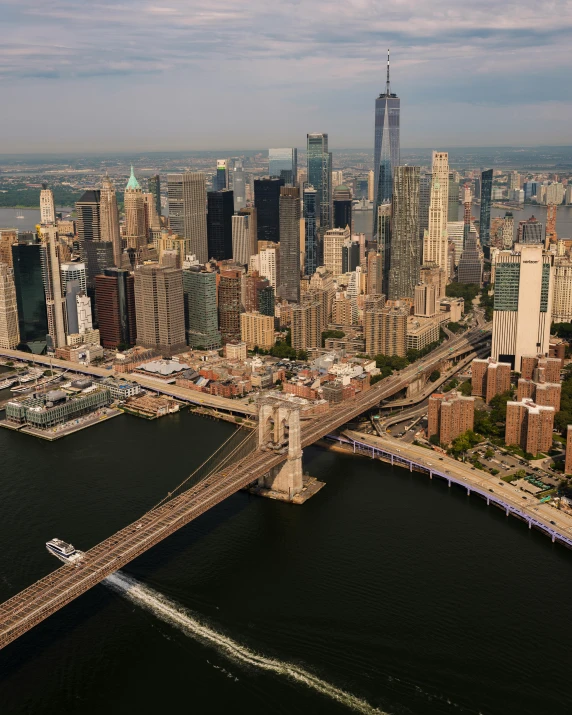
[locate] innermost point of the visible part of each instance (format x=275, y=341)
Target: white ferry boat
x=8, y=383
x=63, y=551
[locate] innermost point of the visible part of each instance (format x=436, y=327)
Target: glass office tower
x=386, y=150
x=485, y=218
x=311, y=253
x=30, y=296
x=283, y=163
x=320, y=176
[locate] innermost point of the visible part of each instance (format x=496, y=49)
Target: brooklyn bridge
x=271, y=456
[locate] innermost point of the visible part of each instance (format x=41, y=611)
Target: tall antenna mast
x=387, y=87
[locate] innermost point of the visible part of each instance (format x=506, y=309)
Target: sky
x=133, y=75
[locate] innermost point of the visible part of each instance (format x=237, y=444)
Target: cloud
x=485, y=54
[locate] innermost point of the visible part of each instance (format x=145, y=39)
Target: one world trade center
x=386, y=151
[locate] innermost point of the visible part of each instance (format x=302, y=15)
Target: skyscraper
x=220, y=178
x=115, y=305
x=159, y=308
x=404, y=259
x=530, y=231
x=384, y=243
x=311, y=243
x=135, y=229
x=342, y=207
x=485, y=219
x=334, y=242
x=187, y=210
x=424, y=203
x=283, y=164
x=219, y=224
x=154, y=184
x=453, y=203
x=267, y=203
x=74, y=284
x=9, y=333
x=55, y=302
x=242, y=244
x=109, y=219
x=435, y=241
x=229, y=291
x=201, y=317
x=386, y=150
x=470, y=268
x=47, y=206
x=30, y=295
x=95, y=253
x=237, y=183
x=320, y=176
x=289, y=284
x=522, y=308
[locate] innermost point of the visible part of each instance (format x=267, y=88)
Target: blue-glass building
x=30, y=296
x=311, y=253
x=485, y=217
x=386, y=149
x=283, y=163
x=320, y=177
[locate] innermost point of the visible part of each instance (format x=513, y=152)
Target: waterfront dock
x=64, y=430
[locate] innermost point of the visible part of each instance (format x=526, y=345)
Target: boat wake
x=179, y=617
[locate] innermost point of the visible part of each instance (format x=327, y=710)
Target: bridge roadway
x=35, y=603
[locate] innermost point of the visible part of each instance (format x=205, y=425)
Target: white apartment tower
x=522, y=304
x=435, y=240
x=9, y=333
x=334, y=241
x=562, y=298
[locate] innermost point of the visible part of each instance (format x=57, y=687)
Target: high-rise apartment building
x=154, y=185
x=267, y=262
x=404, y=259
x=385, y=330
x=386, y=149
x=283, y=164
x=267, y=203
x=109, y=219
x=307, y=325
x=485, y=218
x=115, y=306
x=549, y=368
x=136, y=233
x=30, y=295
x=266, y=300
x=311, y=239
x=257, y=330
x=489, y=378
x=159, y=308
x=9, y=332
x=320, y=176
x=187, y=210
x=220, y=178
x=562, y=297
x=219, y=224
x=545, y=394
x=289, y=284
x=229, y=304
x=449, y=415
x=334, y=241
x=201, y=312
x=522, y=304
x=529, y=425
x=435, y=239
x=370, y=185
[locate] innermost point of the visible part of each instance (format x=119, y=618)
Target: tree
x=489, y=453
x=302, y=355
x=435, y=375
x=375, y=378
x=468, y=291
x=434, y=439
x=455, y=327
x=465, y=388
x=332, y=334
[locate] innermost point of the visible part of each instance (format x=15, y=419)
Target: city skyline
x=281, y=76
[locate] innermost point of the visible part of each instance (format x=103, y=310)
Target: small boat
x=8, y=383
x=63, y=551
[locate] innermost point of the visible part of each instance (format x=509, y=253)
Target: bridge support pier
x=278, y=431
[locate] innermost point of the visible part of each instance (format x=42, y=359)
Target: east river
x=386, y=592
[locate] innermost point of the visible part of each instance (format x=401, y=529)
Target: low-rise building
x=121, y=389
x=454, y=306
x=529, y=425
x=449, y=415
x=421, y=332
x=236, y=350
x=163, y=370
x=48, y=409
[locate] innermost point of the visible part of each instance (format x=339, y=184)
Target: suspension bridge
x=244, y=459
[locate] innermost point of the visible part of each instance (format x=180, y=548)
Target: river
x=385, y=591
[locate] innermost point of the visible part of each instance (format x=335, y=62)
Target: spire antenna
x=387, y=87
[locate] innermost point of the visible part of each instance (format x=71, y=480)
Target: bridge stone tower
x=279, y=431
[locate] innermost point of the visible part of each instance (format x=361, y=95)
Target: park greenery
x=23, y=196
x=468, y=291
x=455, y=327
x=491, y=423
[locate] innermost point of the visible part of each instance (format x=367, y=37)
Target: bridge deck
x=32, y=605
